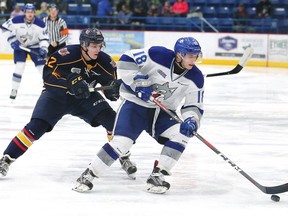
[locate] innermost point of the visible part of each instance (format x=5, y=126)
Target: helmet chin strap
x=178, y=68
x=86, y=51
x=180, y=64
x=181, y=60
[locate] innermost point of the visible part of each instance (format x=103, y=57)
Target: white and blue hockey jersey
x=175, y=90
x=32, y=35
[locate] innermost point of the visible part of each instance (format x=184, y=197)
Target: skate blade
x=132, y=176
x=81, y=188
x=156, y=189
x=2, y=175
x=131, y=172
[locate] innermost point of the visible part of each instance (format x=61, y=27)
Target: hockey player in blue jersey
x=67, y=75
x=171, y=77
x=27, y=31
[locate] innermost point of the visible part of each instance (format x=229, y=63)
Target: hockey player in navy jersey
x=171, y=77
x=27, y=31
x=68, y=74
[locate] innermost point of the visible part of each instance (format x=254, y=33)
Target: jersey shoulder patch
x=39, y=22
x=18, y=19
x=63, y=51
x=161, y=55
x=196, y=76
x=68, y=54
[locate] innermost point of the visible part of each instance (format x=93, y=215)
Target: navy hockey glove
x=143, y=88
x=188, y=127
x=43, y=53
x=15, y=45
x=113, y=93
x=77, y=86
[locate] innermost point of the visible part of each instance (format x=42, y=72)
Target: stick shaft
x=268, y=190
x=101, y=88
x=29, y=50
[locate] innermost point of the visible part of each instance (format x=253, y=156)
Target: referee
x=57, y=29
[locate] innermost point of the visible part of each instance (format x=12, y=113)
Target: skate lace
x=86, y=177
x=13, y=92
x=157, y=178
x=126, y=163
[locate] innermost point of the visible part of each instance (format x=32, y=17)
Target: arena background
x=220, y=48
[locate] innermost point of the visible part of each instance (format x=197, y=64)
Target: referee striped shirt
x=57, y=29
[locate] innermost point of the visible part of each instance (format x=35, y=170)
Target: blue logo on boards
x=227, y=43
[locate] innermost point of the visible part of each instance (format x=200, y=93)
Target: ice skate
x=13, y=94
x=128, y=166
x=84, y=182
x=5, y=162
x=156, y=182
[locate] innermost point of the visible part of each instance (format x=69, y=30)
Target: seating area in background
x=83, y=9
x=204, y=15
x=218, y=13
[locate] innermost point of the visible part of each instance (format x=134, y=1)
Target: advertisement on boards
x=278, y=48
x=216, y=47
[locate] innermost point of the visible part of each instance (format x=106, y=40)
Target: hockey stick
x=100, y=88
x=30, y=51
x=115, y=85
x=268, y=190
x=242, y=62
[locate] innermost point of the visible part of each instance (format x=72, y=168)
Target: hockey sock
x=16, y=79
x=173, y=149
x=104, y=159
x=109, y=135
x=107, y=154
x=25, y=138
x=17, y=75
x=170, y=154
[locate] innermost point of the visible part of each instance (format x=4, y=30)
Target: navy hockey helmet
x=29, y=7
x=187, y=45
x=91, y=35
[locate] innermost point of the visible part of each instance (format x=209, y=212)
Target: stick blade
x=242, y=62
x=235, y=70
x=277, y=189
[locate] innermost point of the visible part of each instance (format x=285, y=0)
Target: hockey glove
x=113, y=93
x=188, y=127
x=43, y=53
x=143, y=88
x=15, y=45
x=77, y=86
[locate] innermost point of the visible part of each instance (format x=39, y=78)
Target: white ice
x=246, y=118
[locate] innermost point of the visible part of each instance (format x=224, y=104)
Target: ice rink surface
x=246, y=118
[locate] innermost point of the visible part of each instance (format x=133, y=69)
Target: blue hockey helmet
x=29, y=7
x=91, y=35
x=187, y=45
